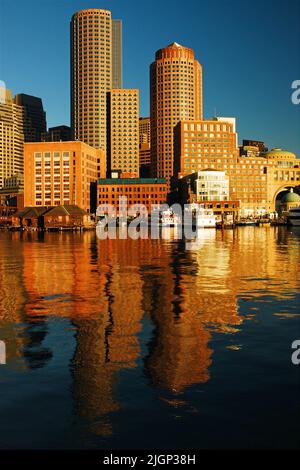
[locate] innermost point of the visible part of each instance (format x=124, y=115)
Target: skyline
x=248, y=87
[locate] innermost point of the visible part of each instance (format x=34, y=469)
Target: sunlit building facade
x=123, y=147
x=91, y=75
x=61, y=173
x=11, y=140
x=175, y=95
x=199, y=145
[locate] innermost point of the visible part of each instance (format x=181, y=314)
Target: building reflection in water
x=105, y=288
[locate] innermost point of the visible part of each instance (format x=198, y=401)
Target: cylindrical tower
x=91, y=75
x=175, y=95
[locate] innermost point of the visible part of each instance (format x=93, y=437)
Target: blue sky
x=250, y=52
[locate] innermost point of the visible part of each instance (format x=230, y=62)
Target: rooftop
x=132, y=181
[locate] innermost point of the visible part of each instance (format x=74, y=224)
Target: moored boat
x=293, y=217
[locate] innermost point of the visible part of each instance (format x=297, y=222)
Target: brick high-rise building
x=91, y=75
x=199, y=145
x=61, y=173
x=175, y=95
x=124, y=131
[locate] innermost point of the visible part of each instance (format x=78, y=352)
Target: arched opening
x=282, y=193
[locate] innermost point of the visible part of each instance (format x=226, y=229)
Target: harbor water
x=147, y=344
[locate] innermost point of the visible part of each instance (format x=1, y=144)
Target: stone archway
x=283, y=188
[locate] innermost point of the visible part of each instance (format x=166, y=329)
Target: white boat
x=293, y=217
x=169, y=219
x=205, y=218
x=201, y=217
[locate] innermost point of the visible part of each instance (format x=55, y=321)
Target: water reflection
x=107, y=289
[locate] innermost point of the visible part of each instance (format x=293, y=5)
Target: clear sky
x=249, y=49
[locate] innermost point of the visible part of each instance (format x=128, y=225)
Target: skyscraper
x=11, y=139
x=117, y=53
x=91, y=75
x=34, y=117
x=124, y=131
x=175, y=95
x=145, y=151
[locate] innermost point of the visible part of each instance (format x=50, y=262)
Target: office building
x=199, y=145
x=11, y=140
x=144, y=191
x=34, y=117
x=175, y=95
x=117, y=65
x=91, y=75
x=145, y=147
x=61, y=173
x=57, y=134
x=124, y=131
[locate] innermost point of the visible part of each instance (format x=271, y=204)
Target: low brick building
x=53, y=217
x=146, y=191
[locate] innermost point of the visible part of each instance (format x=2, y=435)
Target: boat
x=169, y=218
x=201, y=217
x=225, y=225
x=247, y=223
x=293, y=217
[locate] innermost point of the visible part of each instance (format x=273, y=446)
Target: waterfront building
x=123, y=147
x=34, y=119
x=57, y=217
x=175, y=95
x=248, y=184
x=260, y=182
x=11, y=139
x=146, y=191
x=117, y=54
x=57, y=134
x=211, y=185
x=210, y=189
x=203, y=144
x=91, y=75
x=61, y=173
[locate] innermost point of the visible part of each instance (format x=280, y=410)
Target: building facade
x=57, y=133
x=61, y=173
x=123, y=145
x=91, y=75
x=117, y=64
x=175, y=95
x=254, y=181
x=199, y=145
x=34, y=117
x=145, y=147
x=146, y=191
x=211, y=185
x=11, y=139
